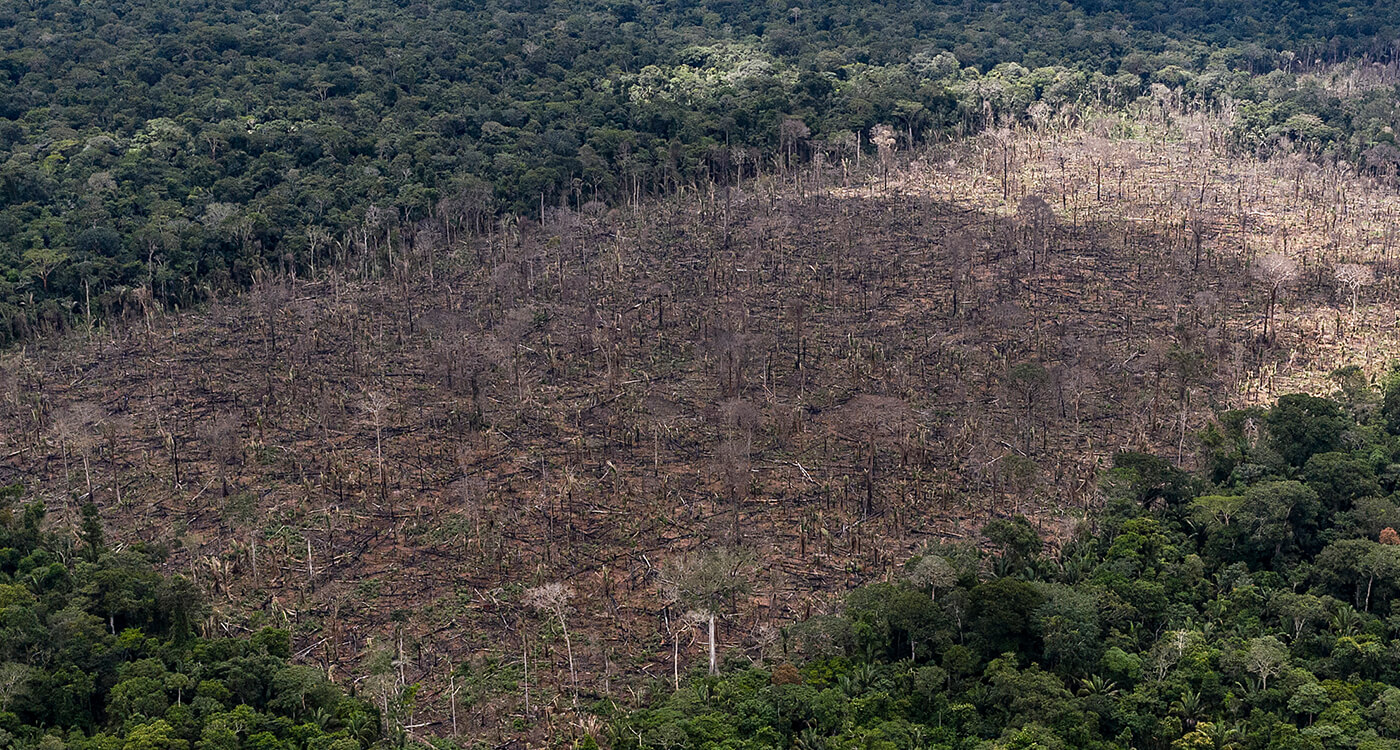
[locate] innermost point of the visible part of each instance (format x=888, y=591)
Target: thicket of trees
x=164, y=153
x=1251, y=607
x=98, y=651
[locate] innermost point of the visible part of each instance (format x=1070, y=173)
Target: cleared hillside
x=827, y=367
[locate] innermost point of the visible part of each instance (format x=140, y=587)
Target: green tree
x=1279, y=516
x=91, y=532
x=1068, y=623
x=1302, y=425
x=1154, y=480
x=999, y=610
x=933, y=572
x=1016, y=540
x=1340, y=479
x=40, y=263
x=1309, y=699
x=157, y=735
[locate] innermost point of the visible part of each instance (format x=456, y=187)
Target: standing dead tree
x=877, y=421
x=553, y=599
x=270, y=296
x=221, y=438
x=1275, y=271
x=79, y=430
x=1198, y=224
x=1036, y=219
x=1028, y=380
x=735, y=474
x=1354, y=276
x=732, y=353
x=376, y=408
x=679, y=626
x=709, y=582
x=884, y=139
x=13, y=676
x=792, y=133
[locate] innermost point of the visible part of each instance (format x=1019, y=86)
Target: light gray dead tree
x=1354, y=276
x=1275, y=271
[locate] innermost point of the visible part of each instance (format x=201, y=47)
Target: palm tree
x=1077, y=567
x=1097, y=685
x=322, y=717
x=1189, y=707
x=1218, y=608
x=362, y=727
x=1135, y=632
x=1249, y=686
x=1346, y=620
x=810, y=739
x=1221, y=736
x=858, y=682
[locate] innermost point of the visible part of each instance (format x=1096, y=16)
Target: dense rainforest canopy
x=98, y=651
x=160, y=153
x=1253, y=607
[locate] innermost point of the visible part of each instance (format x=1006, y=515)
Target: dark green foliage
x=1390, y=399
x=1015, y=539
x=1340, y=479
x=1155, y=480
x=103, y=653
x=91, y=533
x=1257, y=612
x=1228, y=443
x=1303, y=425
x=893, y=620
x=1000, y=614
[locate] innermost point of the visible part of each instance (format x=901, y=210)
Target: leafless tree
x=1354, y=276
x=1004, y=140
x=13, y=675
x=732, y=351
x=553, y=599
x=270, y=296
x=685, y=623
x=797, y=319
x=708, y=582
x=1036, y=219
x=845, y=144
x=1206, y=306
x=884, y=139
x=1028, y=380
x=1198, y=223
x=221, y=437
x=376, y=408
x=735, y=475
x=792, y=133
x=79, y=430
x=1382, y=159
x=741, y=418
x=877, y=421
x=1275, y=271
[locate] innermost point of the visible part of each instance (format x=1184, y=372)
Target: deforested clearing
x=826, y=365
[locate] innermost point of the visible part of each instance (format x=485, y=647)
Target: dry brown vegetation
x=401, y=458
